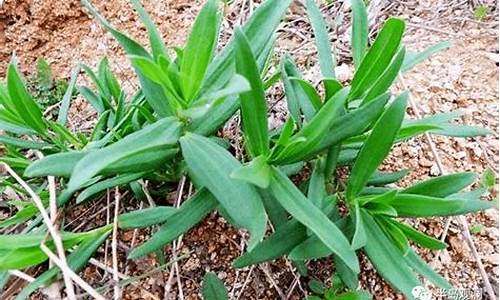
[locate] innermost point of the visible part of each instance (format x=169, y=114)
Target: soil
x=463, y=77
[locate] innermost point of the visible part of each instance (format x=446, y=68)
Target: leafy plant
x=481, y=11
x=168, y=129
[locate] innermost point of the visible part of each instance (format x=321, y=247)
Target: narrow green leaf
x=296, y=97
x=259, y=30
x=62, y=116
x=413, y=58
x=309, y=91
x=199, y=50
x=359, y=31
x=314, y=131
x=22, y=144
x=211, y=165
x=152, y=142
x=322, y=40
x=316, y=190
x=106, y=184
x=279, y=243
x=377, y=146
x=312, y=217
x=155, y=39
x=378, y=57
x=59, y=164
x=380, y=178
x=419, y=237
x=387, y=259
x=313, y=247
x=26, y=108
x=92, y=98
x=353, y=123
x=410, y=205
x=359, y=238
x=385, y=80
x=186, y=216
x=442, y=186
x=421, y=267
x=213, y=288
x=253, y=103
x=146, y=217
x=394, y=233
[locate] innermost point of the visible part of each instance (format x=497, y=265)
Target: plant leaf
x=146, y=217
x=421, y=267
x=359, y=31
x=199, y=50
x=419, y=237
x=152, y=91
x=154, y=139
x=155, y=39
x=314, y=131
x=353, y=123
x=412, y=58
x=378, y=57
x=62, y=116
x=211, y=166
x=322, y=40
x=305, y=212
x=26, y=108
x=107, y=184
x=253, y=104
x=387, y=259
x=359, y=238
x=186, y=216
x=410, y=205
x=213, y=288
x=377, y=146
x=22, y=144
x=442, y=186
x=279, y=243
x=380, y=178
x=59, y=164
x=385, y=80
x=259, y=29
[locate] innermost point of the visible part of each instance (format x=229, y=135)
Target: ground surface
x=463, y=77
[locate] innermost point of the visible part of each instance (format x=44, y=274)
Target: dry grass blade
x=21, y=275
x=52, y=230
x=77, y=279
x=114, y=246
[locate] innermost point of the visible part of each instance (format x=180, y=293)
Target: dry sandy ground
x=463, y=77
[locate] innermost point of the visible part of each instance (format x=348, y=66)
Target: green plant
x=334, y=292
x=167, y=130
x=213, y=288
x=481, y=12
x=46, y=90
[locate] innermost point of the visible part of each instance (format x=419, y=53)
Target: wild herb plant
x=167, y=130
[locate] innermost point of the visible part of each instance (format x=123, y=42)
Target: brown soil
x=465, y=77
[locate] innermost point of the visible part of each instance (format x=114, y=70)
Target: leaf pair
x=377, y=71
x=19, y=113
